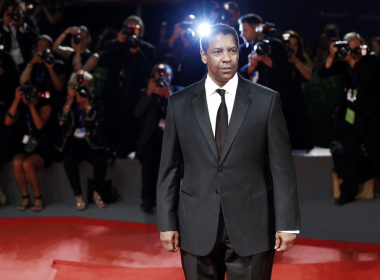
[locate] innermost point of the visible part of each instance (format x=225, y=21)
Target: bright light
x=192, y=16
x=204, y=29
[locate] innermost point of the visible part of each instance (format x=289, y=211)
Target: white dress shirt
x=214, y=99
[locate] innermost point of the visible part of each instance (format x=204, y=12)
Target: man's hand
x=36, y=59
x=333, y=50
x=170, y=240
x=121, y=37
x=265, y=59
x=284, y=240
x=252, y=62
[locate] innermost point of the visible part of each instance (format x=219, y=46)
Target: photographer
x=128, y=59
x=299, y=127
x=358, y=115
x=32, y=141
x=44, y=71
x=78, y=56
x=151, y=111
x=188, y=68
x=82, y=136
x=271, y=69
x=18, y=34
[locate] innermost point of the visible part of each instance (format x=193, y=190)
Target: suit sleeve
x=287, y=216
x=168, y=186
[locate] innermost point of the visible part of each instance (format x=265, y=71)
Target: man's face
x=221, y=58
x=375, y=46
x=42, y=45
x=247, y=32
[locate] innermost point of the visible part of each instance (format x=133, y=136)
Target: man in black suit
x=271, y=70
x=239, y=193
x=18, y=35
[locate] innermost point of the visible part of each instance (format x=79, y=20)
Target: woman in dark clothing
x=33, y=143
x=78, y=56
x=300, y=130
x=82, y=137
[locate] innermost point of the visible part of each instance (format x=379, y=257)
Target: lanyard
x=40, y=75
x=29, y=120
x=354, y=80
x=80, y=114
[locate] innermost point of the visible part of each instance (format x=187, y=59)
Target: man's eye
x=217, y=52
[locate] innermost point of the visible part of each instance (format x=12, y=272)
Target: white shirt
x=214, y=99
x=15, y=48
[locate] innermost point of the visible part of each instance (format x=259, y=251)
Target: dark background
x=305, y=17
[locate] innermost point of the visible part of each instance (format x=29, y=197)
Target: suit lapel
x=201, y=111
x=241, y=105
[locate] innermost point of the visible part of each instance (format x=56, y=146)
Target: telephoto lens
x=162, y=81
x=47, y=56
x=27, y=91
x=82, y=91
x=77, y=37
x=262, y=47
x=16, y=16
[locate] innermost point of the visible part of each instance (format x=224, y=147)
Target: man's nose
x=226, y=57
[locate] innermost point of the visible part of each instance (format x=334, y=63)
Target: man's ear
x=204, y=56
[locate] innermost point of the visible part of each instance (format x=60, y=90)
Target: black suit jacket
x=253, y=181
x=26, y=41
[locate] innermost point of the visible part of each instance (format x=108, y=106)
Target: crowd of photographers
x=64, y=102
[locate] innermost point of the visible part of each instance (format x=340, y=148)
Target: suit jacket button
x=217, y=192
x=220, y=169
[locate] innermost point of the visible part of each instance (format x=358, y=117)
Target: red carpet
x=79, y=248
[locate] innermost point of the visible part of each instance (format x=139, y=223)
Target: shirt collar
x=230, y=87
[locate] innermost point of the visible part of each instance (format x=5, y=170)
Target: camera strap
x=80, y=115
x=40, y=74
x=29, y=120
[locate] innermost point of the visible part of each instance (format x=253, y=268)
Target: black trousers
x=75, y=154
x=223, y=259
x=150, y=161
x=351, y=143
x=120, y=125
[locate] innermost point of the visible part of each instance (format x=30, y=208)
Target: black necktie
x=221, y=122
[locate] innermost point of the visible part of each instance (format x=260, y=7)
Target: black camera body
x=343, y=49
x=77, y=37
x=15, y=15
x=48, y=56
x=82, y=91
x=162, y=81
x=262, y=47
x=188, y=27
x=133, y=35
x=30, y=95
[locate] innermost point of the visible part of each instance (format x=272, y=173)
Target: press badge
x=25, y=139
x=350, y=116
x=255, y=76
x=80, y=133
x=162, y=124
